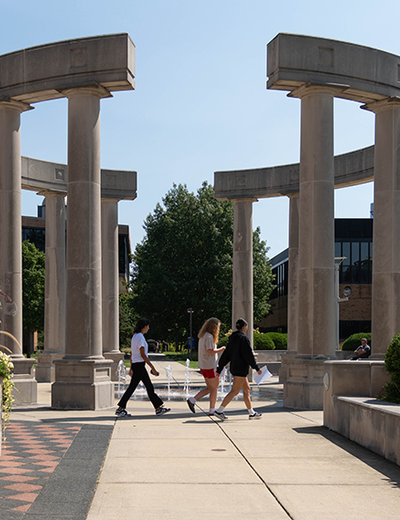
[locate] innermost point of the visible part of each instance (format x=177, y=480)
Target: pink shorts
x=209, y=373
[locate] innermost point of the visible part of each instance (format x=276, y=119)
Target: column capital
x=18, y=106
x=88, y=90
x=308, y=89
x=383, y=104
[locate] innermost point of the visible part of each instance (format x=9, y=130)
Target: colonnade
x=317, y=70
x=82, y=374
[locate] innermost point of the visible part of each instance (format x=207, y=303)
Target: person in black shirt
x=240, y=356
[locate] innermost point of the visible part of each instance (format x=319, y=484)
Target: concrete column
x=11, y=250
x=54, y=313
x=316, y=334
x=83, y=375
x=242, y=286
x=386, y=234
x=293, y=286
x=293, y=292
x=316, y=303
x=110, y=283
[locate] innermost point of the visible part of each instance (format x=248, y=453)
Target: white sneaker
x=255, y=415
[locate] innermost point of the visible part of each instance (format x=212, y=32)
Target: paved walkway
x=188, y=466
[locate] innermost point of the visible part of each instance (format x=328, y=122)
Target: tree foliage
x=127, y=320
x=185, y=261
x=33, y=277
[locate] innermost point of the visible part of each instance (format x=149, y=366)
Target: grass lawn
x=181, y=357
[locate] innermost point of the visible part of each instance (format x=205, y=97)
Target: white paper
x=265, y=374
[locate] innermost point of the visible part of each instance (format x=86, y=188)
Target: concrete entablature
x=38, y=175
x=44, y=72
x=350, y=169
x=356, y=72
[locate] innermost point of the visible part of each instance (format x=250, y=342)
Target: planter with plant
x=6, y=371
x=392, y=364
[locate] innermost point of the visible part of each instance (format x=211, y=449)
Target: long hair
x=141, y=324
x=212, y=326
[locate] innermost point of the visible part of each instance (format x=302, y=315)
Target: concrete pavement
x=189, y=466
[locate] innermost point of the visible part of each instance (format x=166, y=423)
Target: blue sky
x=200, y=103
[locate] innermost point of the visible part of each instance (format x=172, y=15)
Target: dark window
x=34, y=235
x=281, y=280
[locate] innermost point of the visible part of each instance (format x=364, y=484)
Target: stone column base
x=304, y=388
x=25, y=389
x=115, y=357
x=45, y=369
x=82, y=384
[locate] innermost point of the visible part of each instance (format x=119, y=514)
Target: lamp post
x=338, y=261
x=190, y=311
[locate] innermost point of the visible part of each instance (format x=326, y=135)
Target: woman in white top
x=138, y=372
x=208, y=362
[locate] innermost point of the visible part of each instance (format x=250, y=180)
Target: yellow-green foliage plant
x=6, y=371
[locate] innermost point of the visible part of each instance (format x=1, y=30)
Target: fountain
x=168, y=372
x=122, y=376
x=187, y=379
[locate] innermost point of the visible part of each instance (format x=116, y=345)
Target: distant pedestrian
x=138, y=372
x=240, y=356
x=208, y=361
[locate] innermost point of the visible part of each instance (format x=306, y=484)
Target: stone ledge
x=371, y=423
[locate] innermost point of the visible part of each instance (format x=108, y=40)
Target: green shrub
x=279, y=339
x=354, y=341
x=223, y=341
x=263, y=341
x=392, y=364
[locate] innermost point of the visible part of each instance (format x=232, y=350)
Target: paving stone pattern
x=50, y=470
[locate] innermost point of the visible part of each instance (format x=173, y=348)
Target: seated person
x=363, y=351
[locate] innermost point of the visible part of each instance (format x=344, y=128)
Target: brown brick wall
x=358, y=307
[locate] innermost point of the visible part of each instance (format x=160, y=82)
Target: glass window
x=346, y=266
x=355, y=262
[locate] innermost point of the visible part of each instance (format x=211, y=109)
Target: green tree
x=127, y=320
x=185, y=260
x=33, y=264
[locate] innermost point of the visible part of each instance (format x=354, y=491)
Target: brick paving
x=29, y=455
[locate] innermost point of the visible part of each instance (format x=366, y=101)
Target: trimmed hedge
x=392, y=364
x=263, y=341
x=354, y=341
x=267, y=341
x=279, y=339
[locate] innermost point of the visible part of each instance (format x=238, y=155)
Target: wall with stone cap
x=43, y=72
x=357, y=72
x=351, y=406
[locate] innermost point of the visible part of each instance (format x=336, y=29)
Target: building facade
x=353, y=249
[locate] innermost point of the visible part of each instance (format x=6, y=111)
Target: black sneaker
x=255, y=415
x=221, y=415
x=162, y=411
x=191, y=405
x=122, y=413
